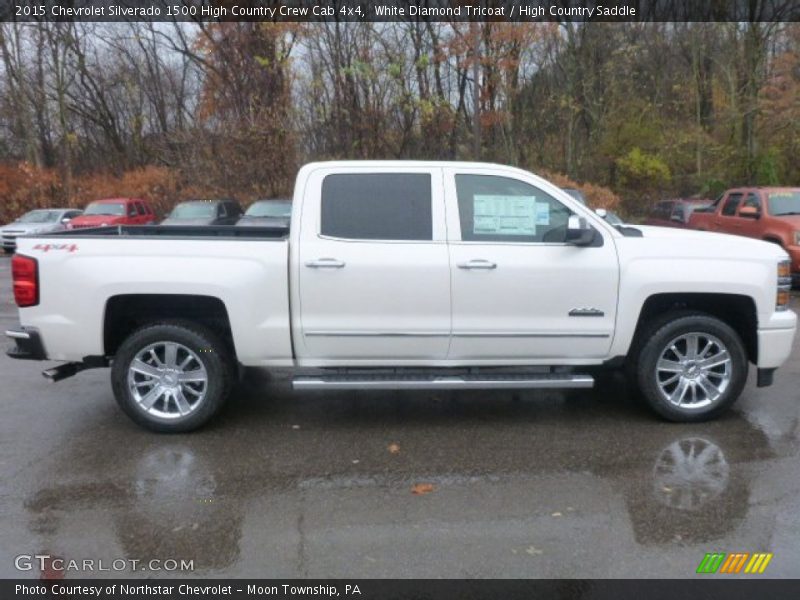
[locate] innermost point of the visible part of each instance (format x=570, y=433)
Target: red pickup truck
x=771, y=214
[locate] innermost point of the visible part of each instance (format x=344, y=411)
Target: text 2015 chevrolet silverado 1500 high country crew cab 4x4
x=406, y=275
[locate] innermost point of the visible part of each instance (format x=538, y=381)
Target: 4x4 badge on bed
x=48, y=247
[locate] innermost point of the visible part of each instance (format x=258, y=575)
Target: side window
x=502, y=209
x=140, y=208
x=377, y=206
x=221, y=211
x=132, y=209
x=731, y=204
x=752, y=201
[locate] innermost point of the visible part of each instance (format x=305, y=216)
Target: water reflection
x=694, y=493
x=175, y=511
x=170, y=507
x=690, y=472
x=561, y=474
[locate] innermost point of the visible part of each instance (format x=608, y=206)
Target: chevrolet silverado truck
x=771, y=214
x=406, y=275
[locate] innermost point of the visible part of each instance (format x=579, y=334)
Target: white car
x=44, y=220
x=407, y=275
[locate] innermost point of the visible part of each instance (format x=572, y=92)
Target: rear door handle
x=477, y=263
x=325, y=263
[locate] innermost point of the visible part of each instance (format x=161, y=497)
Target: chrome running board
x=496, y=381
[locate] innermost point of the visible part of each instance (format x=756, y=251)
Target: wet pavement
x=285, y=484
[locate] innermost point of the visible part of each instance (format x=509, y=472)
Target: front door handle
x=325, y=263
x=478, y=263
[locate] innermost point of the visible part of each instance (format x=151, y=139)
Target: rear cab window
x=377, y=206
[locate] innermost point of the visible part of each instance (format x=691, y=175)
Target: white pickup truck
x=406, y=275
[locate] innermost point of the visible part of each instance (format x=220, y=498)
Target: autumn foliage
x=24, y=187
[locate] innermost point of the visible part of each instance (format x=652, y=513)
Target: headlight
x=784, y=285
x=797, y=238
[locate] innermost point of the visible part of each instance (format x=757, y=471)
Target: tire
x=149, y=390
x=704, y=386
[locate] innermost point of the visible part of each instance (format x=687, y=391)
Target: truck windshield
x=784, y=203
x=194, y=210
x=270, y=208
x=105, y=208
x=39, y=216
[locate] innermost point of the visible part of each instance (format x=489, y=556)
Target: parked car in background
x=261, y=213
x=205, y=212
x=675, y=213
x=771, y=214
x=45, y=220
x=115, y=211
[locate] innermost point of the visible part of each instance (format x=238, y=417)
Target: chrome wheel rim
x=167, y=380
x=694, y=370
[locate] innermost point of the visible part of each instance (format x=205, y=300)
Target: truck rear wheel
x=172, y=376
x=692, y=367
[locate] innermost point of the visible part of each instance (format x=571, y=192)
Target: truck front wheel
x=172, y=376
x=691, y=367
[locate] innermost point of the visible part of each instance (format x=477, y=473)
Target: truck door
x=749, y=225
x=520, y=291
x=726, y=220
x=374, y=276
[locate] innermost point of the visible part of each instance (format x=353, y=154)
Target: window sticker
x=507, y=215
x=542, y=213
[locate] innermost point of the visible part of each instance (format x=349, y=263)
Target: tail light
x=784, y=285
x=25, y=273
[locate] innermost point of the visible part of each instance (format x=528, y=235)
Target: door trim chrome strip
x=375, y=334
x=500, y=334
x=504, y=334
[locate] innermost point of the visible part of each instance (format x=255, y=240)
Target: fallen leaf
x=295, y=426
x=422, y=488
x=556, y=514
x=356, y=461
x=393, y=448
x=533, y=550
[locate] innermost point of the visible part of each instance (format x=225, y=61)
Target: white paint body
x=401, y=303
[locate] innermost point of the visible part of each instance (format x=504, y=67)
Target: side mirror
x=65, y=220
x=749, y=212
x=578, y=231
x=676, y=217
x=601, y=212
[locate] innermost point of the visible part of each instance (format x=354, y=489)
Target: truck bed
x=83, y=271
